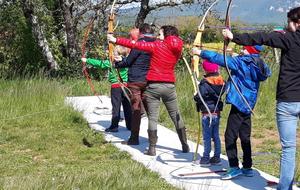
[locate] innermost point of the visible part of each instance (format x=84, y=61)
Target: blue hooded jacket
x=247, y=71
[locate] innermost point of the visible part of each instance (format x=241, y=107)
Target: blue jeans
x=287, y=116
x=211, y=132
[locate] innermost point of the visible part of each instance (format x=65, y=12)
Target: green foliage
x=18, y=50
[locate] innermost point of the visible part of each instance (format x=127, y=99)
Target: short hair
x=294, y=14
x=120, y=50
x=146, y=28
x=169, y=30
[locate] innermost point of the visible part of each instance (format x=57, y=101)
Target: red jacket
x=164, y=56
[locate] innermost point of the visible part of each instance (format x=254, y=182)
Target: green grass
x=41, y=138
x=41, y=143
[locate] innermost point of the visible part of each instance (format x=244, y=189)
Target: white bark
x=42, y=42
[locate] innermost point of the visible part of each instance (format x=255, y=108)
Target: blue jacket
x=247, y=71
x=137, y=62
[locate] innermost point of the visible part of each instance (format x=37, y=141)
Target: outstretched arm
x=280, y=40
x=217, y=58
x=102, y=64
x=140, y=45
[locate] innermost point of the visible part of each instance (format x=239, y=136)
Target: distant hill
x=252, y=12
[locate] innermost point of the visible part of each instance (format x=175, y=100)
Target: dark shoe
x=182, y=137
x=152, y=135
x=215, y=161
x=112, y=129
x=134, y=135
x=131, y=141
x=204, y=162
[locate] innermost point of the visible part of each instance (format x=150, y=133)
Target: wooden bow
x=111, y=29
x=194, y=73
x=225, y=45
x=195, y=60
x=111, y=20
x=83, y=55
x=197, y=42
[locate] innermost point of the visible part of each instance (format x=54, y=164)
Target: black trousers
x=118, y=98
x=238, y=125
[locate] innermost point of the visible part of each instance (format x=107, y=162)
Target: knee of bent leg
x=287, y=144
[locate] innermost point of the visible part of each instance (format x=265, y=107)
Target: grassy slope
x=44, y=150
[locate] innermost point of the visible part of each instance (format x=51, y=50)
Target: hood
x=174, y=43
x=258, y=68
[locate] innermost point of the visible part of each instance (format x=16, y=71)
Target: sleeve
x=129, y=60
x=274, y=39
x=203, y=91
x=102, y=64
x=140, y=45
x=217, y=58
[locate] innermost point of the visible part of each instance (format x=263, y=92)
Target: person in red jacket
x=160, y=80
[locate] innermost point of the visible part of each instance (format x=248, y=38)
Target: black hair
x=169, y=30
x=294, y=14
x=146, y=28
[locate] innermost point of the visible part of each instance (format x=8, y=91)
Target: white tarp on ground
x=170, y=161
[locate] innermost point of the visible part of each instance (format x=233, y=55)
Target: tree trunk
x=144, y=11
x=39, y=35
x=70, y=30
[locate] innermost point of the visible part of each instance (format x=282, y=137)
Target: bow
x=111, y=20
x=225, y=45
x=83, y=55
x=197, y=42
x=111, y=30
x=196, y=89
x=195, y=59
x=195, y=73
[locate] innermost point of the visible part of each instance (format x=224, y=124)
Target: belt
x=213, y=113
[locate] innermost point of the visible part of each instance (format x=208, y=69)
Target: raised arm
x=102, y=64
x=281, y=39
x=217, y=58
x=140, y=45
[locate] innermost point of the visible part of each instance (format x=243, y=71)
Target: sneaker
x=215, y=161
x=248, y=172
x=112, y=129
x=232, y=173
x=204, y=162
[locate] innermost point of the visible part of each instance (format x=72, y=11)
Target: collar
x=212, y=74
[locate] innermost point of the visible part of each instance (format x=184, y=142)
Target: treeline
x=46, y=36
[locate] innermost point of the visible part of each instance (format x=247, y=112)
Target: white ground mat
x=170, y=162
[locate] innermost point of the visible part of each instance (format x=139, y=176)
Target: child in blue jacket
x=247, y=71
